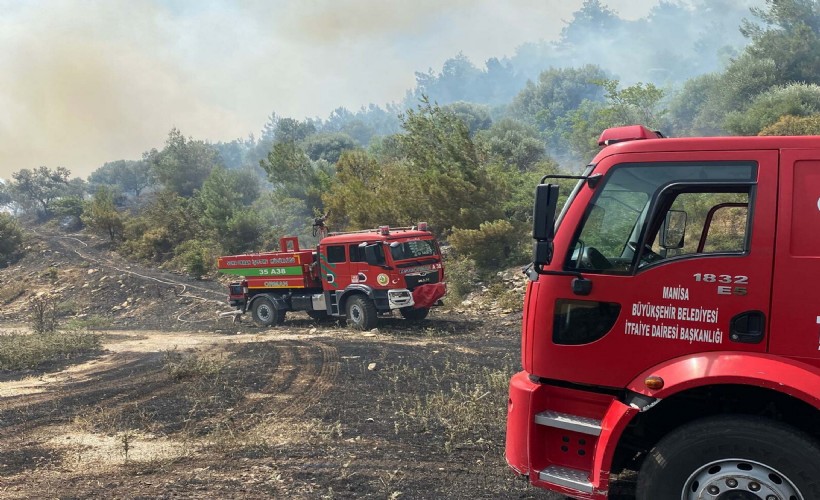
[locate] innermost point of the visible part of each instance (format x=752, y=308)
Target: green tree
x=456, y=81
x=218, y=200
x=744, y=79
x=475, y=116
x=11, y=239
x=5, y=194
x=101, y=214
x=797, y=99
x=514, y=144
x=789, y=36
x=636, y=104
x=557, y=92
x=328, y=146
x=245, y=231
x=184, y=164
x=366, y=193
x=689, y=103
x=639, y=103
x=222, y=207
x=164, y=222
x=68, y=206
x=292, y=173
x=446, y=169
x=130, y=176
x=37, y=188
x=246, y=182
x=280, y=215
x=592, y=17
x=196, y=257
x=291, y=130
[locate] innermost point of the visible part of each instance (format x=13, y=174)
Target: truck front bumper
x=399, y=298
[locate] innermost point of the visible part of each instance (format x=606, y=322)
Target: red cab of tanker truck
x=672, y=323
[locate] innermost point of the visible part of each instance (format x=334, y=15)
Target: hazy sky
x=84, y=82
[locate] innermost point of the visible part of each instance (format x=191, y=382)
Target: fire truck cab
x=672, y=322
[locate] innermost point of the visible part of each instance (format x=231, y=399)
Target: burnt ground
x=180, y=404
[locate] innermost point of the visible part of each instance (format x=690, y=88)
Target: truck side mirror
x=543, y=222
x=673, y=230
x=373, y=256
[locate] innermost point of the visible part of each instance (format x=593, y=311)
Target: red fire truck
x=672, y=323
x=357, y=276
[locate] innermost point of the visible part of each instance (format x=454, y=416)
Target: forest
x=463, y=150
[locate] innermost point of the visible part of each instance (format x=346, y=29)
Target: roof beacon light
x=627, y=133
x=384, y=230
x=422, y=226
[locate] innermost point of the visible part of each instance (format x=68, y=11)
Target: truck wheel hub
x=734, y=479
x=264, y=312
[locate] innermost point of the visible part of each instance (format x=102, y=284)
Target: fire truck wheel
x=413, y=314
x=265, y=314
x=361, y=313
x=732, y=457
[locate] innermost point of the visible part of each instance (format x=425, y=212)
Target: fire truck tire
x=733, y=457
x=264, y=313
x=361, y=313
x=412, y=314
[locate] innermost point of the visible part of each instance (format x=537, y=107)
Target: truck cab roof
x=374, y=235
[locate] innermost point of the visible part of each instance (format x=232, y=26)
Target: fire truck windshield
x=618, y=219
x=412, y=249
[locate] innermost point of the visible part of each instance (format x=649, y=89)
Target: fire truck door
x=795, y=321
x=677, y=250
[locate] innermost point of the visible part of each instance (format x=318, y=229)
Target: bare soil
x=181, y=404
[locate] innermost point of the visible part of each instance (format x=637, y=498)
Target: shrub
x=11, y=239
x=153, y=244
x=182, y=366
x=493, y=245
x=20, y=351
x=796, y=99
x=794, y=125
x=461, y=276
x=196, y=257
x=43, y=315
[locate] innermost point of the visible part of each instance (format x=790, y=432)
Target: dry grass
x=21, y=351
x=190, y=366
x=11, y=292
x=464, y=408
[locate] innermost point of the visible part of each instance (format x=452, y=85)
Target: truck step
x=575, y=423
x=567, y=477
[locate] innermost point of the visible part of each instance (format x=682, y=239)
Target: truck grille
x=414, y=280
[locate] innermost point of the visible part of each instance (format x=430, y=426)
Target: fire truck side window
x=715, y=221
x=356, y=253
x=618, y=235
x=336, y=253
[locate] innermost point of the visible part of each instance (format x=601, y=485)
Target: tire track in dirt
x=130, y=374
x=307, y=369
